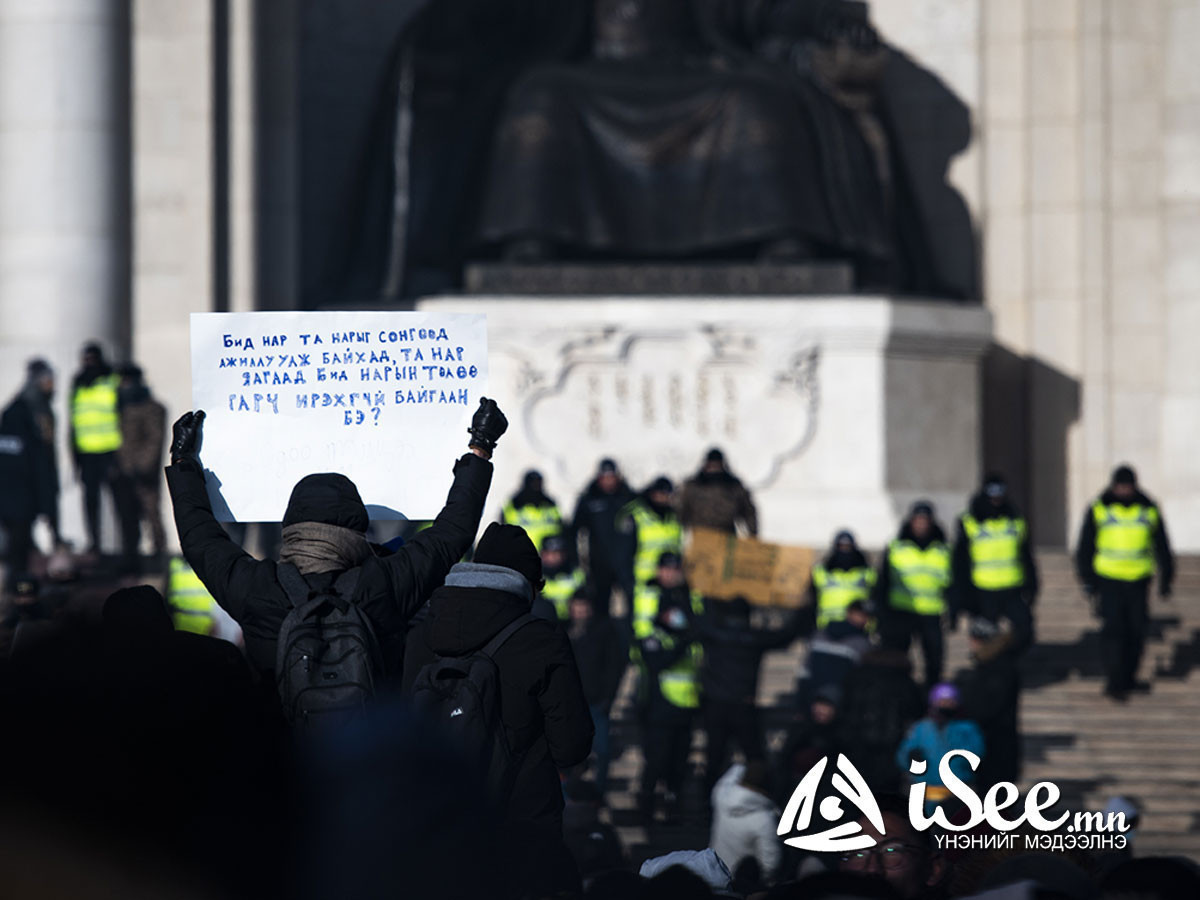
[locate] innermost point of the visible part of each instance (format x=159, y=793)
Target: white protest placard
x=384, y=398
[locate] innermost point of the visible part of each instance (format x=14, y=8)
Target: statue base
x=835, y=411
x=665, y=279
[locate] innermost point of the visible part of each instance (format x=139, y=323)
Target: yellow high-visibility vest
x=655, y=536
x=838, y=588
x=94, y=416
x=560, y=588
x=680, y=683
x=539, y=522
x=918, y=578
x=996, y=552
x=1124, y=541
x=645, y=607
x=192, y=606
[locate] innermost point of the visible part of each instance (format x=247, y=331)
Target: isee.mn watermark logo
x=845, y=833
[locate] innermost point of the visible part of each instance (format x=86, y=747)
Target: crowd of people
x=438, y=715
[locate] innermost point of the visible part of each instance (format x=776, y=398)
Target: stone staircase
x=1093, y=748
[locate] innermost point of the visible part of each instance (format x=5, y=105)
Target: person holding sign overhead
x=326, y=556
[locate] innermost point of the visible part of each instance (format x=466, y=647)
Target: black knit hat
x=329, y=498
x=510, y=546
x=1124, y=475
x=715, y=456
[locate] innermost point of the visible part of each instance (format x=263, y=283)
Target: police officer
x=914, y=576
x=668, y=587
x=95, y=433
x=840, y=579
x=564, y=581
x=670, y=660
x=192, y=606
x=651, y=529
x=994, y=572
x=1121, y=544
x=596, y=515
x=532, y=510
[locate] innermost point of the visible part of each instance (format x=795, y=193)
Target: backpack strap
x=506, y=632
x=293, y=584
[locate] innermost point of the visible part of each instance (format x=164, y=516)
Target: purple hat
x=943, y=693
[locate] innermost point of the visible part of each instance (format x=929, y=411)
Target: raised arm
x=215, y=558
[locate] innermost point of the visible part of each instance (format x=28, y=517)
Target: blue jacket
x=933, y=743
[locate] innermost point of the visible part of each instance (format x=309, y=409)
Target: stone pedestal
x=835, y=411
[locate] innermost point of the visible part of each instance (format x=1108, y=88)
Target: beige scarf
x=314, y=547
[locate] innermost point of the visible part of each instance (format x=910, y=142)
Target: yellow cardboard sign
x=724, y=566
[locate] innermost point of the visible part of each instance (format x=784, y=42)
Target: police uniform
x=96, y=431
x=670, y=670
x=192, y=606
x=835, y=589
x=561, y=587
x=648, y=599
x=1122, y=544
x=652, y=533
x=994, y=569
x=912, y=585
x=539, y=520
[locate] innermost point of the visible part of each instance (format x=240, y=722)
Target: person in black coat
x=602, y=656
x=324, y=535
x=542, y=702
x=733, y=652
x=28, y=468
x=990, y=694
x=608, y=551
x=880, y=701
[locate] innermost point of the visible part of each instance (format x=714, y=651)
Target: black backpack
x=327, y=658
x=461, y=695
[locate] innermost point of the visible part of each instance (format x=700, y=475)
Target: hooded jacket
x=390, y=589
x=143, y=433
x=744, y=824
x=717, y=500
x=981, y=509
x=1085, y=553
x=542, y=704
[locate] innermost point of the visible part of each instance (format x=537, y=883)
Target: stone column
x=64, y=190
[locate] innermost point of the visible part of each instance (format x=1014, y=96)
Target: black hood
x=854, y=559
x=329, y=498
x=1138, y=498
x=463, y=619
x=531, y=497
x=982, y=508
x=135, y=393
x=87, y=377
x=935, y=534
x=662, y=510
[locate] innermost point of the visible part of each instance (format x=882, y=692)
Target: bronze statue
x=662, y=130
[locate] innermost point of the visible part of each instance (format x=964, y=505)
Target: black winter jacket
x=602, y=657
x=733, y=653
x=542, y=704
x=28, y=467
x=596, y=514
x=390, y=589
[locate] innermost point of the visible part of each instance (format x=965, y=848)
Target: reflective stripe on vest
x=539, y=522
x=94, y=417
x=680, y=684
x=995, y=552
x=919, y=578
x=838, y=588
x=655, y=537
x=645, y=608
x=560, y=588
x=191, y=604
x=1124, y=541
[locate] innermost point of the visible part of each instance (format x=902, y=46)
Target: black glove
x=186, y=437
x=487, y=425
